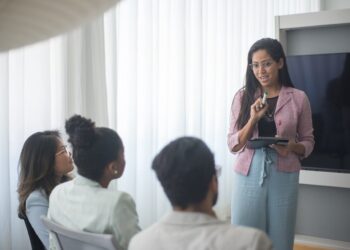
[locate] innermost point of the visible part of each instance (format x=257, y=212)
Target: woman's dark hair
x=93, y=147
x=252, y=85
x=37, y=166
x=184, y=168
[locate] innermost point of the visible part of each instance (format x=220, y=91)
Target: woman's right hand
x=257, y=110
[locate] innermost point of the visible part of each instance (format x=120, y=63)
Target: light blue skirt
x=267, y=199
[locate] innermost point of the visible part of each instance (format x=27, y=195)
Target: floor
x=298, y=246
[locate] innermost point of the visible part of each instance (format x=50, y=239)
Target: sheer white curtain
x=152, y=69
x=40, y=86
x=174, y=67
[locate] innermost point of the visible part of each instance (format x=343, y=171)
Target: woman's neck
x=58, y=179
x=202, y=207
x=104, y=184
x=273, y=91
x=104, y=181
x=208, y=211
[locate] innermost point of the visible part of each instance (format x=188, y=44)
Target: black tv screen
x=326, y=80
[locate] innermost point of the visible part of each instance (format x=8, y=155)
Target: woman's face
x=63, y=159
x=265, y=68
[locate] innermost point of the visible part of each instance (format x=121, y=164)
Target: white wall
x=335, y=4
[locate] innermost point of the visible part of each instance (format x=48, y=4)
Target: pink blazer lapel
x=284, y=97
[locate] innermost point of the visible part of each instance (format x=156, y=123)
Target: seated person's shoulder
x=220, y=235
x=123, y=196
x=62, y=187
x=118, y=198
x=37, y=196
x=117, y=195
x=125, y=199
x=246, y=236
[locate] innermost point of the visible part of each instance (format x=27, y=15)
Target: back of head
x=185, y=168
x=37, y=166
x=93, y=147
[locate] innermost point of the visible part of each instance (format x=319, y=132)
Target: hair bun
x=81, y=131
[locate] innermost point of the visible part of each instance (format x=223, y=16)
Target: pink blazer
x=293, y=120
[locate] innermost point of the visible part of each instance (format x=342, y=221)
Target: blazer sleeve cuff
x=232, y=141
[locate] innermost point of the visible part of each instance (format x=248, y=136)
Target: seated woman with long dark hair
x=85, y=203
x=44, y=163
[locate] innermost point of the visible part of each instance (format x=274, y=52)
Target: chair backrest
x=79, y=240
x=34, y=239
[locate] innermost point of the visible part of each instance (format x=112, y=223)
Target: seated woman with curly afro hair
x=86, y=203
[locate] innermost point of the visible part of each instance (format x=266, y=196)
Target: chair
x=69, y=239
x=34, y=239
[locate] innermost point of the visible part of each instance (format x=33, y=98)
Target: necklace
x=269, y=116
x=270, y=112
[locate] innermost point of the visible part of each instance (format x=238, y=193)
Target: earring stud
x=115, y=171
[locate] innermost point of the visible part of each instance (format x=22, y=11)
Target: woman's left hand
x=284, y=150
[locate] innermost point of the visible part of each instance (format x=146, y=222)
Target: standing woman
x=266, y=179
x=86, y=203
x=44, y=162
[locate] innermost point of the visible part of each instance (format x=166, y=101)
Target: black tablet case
x=260, y=142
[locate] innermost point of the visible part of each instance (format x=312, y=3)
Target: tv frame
x=306, y=22
x=324, y=178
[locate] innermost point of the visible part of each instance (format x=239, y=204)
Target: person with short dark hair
x=86, y=203
x=44, y=163
x=267, y=177
x=186, y=170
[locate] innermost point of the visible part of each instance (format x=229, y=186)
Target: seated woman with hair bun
x=85, y=203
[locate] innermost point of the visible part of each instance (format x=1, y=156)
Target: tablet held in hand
x=260, y=142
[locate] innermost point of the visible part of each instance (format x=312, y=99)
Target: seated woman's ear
x=112, y=170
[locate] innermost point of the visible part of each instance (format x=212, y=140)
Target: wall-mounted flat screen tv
x=326, y=80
